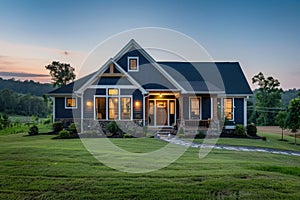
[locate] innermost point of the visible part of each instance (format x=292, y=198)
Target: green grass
x=272, y=142
x=38, y=167
x=23, y=128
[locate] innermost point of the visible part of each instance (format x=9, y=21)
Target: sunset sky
x=261, y=35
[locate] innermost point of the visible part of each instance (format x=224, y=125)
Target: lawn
x=38, y=167
x=271, y=142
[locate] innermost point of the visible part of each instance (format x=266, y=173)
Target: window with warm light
x=100, y=108
x=228, y=108
x=113, y=106
x=70, y=102
x=133, y=63
x=113, y=92
x=195, y=108
x=125, y=108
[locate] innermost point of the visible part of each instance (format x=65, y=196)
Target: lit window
x=125, y=108
x=101, y=108
x=71, y=102
x=228, y=108
x=113, y=92
x=113, y=108
x=133, y=63
x=195, y=108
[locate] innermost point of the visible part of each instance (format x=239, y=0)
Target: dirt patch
x=275, y=129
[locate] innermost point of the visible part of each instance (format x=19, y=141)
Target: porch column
x=182, y=122
x=214, y=108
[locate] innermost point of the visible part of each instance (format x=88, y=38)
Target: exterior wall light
x=89, y=104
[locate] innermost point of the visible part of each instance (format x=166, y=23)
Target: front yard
x=39, y=167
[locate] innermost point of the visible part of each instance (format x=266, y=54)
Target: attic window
x=133, y=64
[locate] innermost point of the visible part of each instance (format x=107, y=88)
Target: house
x=133, y=87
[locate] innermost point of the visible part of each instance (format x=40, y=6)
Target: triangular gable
x=133, y=44
x=104, y=69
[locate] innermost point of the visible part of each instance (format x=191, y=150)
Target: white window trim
x=119, y=106
x=200, y=107
x=137, y=63
x=233, y=107
x=67, y=107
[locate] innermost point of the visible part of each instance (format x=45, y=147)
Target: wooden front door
x=162, y=113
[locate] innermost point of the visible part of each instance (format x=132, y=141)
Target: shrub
x=251, y=129
x=72, y=128
x=47, y=121
x=264, y=138
x=126, y=135
x=201, y=134
x=112, y=127
x=240, y=129
x=33, y=130
x=57, y=126
x=64, y=134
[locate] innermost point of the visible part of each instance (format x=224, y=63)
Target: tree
x=280, y=119
x=293, y=118
x=61, y=73
x=268, y=98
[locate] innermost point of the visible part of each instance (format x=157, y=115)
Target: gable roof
x=69, y=88
x=209, y=77
x=187, y=77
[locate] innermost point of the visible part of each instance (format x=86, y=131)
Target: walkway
x=178, y=141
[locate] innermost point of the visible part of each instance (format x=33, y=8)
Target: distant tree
x=280, y=119
x=61, y=73
x=293, y=118
x=268, y=97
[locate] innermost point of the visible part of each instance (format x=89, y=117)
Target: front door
x=161, y=113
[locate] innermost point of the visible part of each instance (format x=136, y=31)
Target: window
x=70, y=102
x=101, y=108
x=228, y=108
x=113, y=106
x=194, y=108
x=133, y=63
x=113, y=92
x=125, y=108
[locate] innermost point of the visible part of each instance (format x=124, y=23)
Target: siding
x=112, y=81
x=239, y=110
x=206, y=106
x=62, y=112
x=147, y=76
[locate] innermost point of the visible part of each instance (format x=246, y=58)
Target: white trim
x=133, y=43
x=205, y=92
x=53, y=109
x=211, y=107
x=200, y=106
x=168, y=110
x=119, y=106
x=144, y=109
x=137, y=63
x=234, y=95
x=233, y=107
x=67, y=107
x=245, y=112
x=112, y=86
x=132, y=80
x=82, y=112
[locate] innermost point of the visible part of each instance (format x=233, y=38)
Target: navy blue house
x=133, y=87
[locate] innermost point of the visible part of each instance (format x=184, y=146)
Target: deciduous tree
x=61, y=73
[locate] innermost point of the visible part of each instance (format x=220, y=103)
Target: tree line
x=12, y=102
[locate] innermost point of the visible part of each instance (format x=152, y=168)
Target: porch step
x=164, y=131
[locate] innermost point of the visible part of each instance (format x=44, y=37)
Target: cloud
x=22, y=74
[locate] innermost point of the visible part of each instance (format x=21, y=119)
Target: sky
x=264, y=36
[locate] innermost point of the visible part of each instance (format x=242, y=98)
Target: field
x=38, y=167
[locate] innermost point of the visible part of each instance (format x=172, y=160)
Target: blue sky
x=261, y=35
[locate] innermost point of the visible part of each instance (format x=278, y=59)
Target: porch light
x=137, y=104
x=89, y=104
x=160, y=95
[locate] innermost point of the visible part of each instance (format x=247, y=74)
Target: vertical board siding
x=239, y=110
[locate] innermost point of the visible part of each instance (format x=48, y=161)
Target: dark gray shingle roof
x=209, y=76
